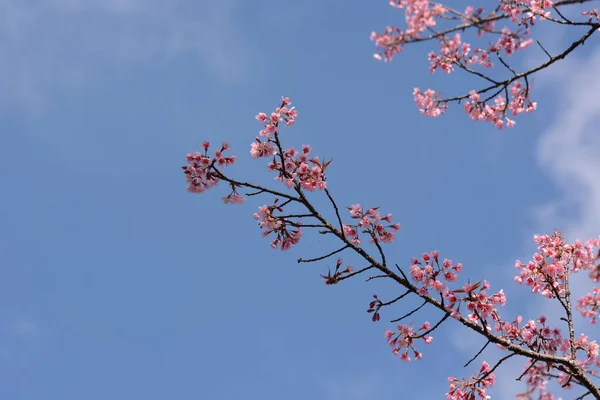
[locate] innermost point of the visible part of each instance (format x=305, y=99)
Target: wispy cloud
x=569, y=151
x=21, y=340
x=48, y=44
x=24, y=328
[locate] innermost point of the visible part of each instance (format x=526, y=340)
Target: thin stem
x=478, y=354
x=302, y=260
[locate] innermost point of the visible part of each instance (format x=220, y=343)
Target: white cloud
x=45, y=44
x=569, y=151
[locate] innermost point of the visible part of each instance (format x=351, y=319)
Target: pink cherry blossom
x=474, y=387
x=589, y=305
x=553, y=353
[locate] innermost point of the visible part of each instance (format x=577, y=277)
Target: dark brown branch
x=221, y=176
x=545, y=51
x=477, y=355
x=495, y=366
x=396, y=299
x=360, y=271
x=335, y=207
x=507, y=82
x=410, y=313
x=376, y=277
x=302, y=260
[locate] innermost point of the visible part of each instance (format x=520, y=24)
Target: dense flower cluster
x=525, y=12
x=294, y=167
x=422, y=17
x=473, y=387
x=286, y=233
x=454, y=51
x=281, y=114
x=429, y=102
x=547, y=273
x=589, y=305
x=429, y=273
x=419, y=17
x=535, y=334
x=266, y=147
x=482, y=111
x=370, y=222
x=402, y=341
x=200, y=172
x=297, y=169
x=538, y=374
x=479, y=303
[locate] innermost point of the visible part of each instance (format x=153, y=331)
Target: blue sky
x=117, y=284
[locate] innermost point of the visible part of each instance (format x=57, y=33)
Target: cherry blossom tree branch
x=426, y=275
x=454, y=51
x=505, y=83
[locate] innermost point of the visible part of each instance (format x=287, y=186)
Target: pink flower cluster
x=453, y=51
x=332, y=279
x=591, y=349
x=533, y=8
x=285, y=236
x=391, y=41
x=538, y=375
x=456, y=52
x=510, y=42
x=402, y=341
x=234, y=198
x=474, y=387
x=479, y=110
x=420, y=15
x=589, y=305
x=282, y=114
x=548, y=340
x=294, y=167
x=297, y=170
x=199, y=171
x=429, y=273
x=481, y=305
x=429, y=102
x=547, y=272
x=265, y=148
x=370, y=222
x=260, y=149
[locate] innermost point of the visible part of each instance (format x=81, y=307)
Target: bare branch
x=410, y=313
x=302, y=260
x=477, y=355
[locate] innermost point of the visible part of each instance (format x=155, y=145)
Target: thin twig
x=302, y=260
x=477, y=355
